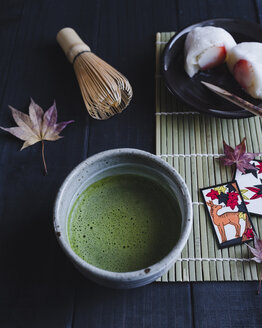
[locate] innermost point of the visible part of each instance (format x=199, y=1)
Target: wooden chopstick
x=234, y=99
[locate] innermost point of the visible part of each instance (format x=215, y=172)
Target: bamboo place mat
x=191, y=143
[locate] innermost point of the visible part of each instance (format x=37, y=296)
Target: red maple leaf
x=231, y=204
x=249, y=233
x=232, y=200
x=256, y=196
x=213, y=194
x=233, y=195
x=259, y=166
x=253, y=189
x=238, y=156
x=256, y=191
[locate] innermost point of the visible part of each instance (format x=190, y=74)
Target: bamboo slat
x=181, y=131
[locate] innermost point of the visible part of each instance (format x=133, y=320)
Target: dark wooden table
x=38, y=285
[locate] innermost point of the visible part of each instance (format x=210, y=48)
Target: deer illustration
x=227, y=218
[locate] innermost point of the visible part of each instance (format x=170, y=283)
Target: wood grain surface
x=38, y=285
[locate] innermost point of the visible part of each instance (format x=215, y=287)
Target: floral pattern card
x=250, y=184
x=228, y=214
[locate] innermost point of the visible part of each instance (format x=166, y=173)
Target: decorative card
x=250, y=184
x=228, y=213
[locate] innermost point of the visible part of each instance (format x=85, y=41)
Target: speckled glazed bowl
x=117, y=161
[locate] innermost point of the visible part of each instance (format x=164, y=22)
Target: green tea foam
x=124, y=223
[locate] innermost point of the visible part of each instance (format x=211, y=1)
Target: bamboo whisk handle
x=71, y=43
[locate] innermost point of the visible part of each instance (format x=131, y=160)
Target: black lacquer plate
x=190, y=90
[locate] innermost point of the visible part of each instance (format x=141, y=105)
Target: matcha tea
x=124, y=223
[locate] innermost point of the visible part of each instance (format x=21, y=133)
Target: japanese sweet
x=245, y=63
x=206, y=47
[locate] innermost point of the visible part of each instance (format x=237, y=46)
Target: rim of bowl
x=155, y=268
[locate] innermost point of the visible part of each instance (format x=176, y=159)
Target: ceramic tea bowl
x=122, y=161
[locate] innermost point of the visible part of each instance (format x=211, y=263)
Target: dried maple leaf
x=238, y=156
x=257, y=252
x=37, y=126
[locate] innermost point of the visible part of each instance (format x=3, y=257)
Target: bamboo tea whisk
x=105, y=91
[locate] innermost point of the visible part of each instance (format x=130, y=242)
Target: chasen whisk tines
x=105, y=91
